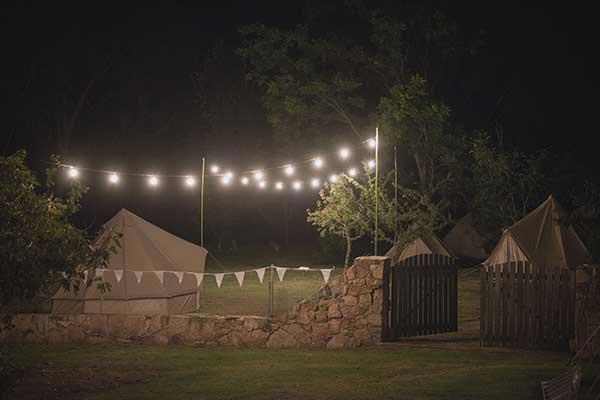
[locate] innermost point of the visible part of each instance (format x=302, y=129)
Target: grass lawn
x=448, y=366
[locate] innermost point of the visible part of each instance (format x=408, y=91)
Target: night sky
x=535, y=77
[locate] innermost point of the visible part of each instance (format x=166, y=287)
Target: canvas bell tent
x=464, y=241
x=146, y=274
x=541, y=238
x=424, y=244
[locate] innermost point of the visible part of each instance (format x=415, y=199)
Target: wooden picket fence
x=527, y=306
x=419, y=297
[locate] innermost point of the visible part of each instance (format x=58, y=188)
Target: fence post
x=270, y=292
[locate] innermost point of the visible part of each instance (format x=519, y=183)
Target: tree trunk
x=348, y=251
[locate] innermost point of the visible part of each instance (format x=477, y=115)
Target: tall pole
x=202, y=204
x=395, y=196
x=376, y=185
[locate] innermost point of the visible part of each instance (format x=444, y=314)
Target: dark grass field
x=449, y=366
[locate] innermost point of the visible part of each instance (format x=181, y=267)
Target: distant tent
x=541, y=238
x=135, y=287
x=424, y=244
x=465, y=241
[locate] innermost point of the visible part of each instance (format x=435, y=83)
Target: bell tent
x=424, y=244
x=146, y=274
x=541, y=238
x=465, y=241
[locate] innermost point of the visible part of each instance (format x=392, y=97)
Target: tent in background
x=464, y=241
x=425, y=244
x=135, y=287
x=541, y=239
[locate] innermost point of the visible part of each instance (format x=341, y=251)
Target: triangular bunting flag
x=219, y=279
x=118, y=274
x=160, y=275
x=326, y=273
x=199, y=278
x=179, y=276
x=240, y=277
x=261, y=274
x=280, y=273
x=138, y=276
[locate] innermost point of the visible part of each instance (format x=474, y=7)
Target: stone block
x=333, y=311
x=337, y=342
x=350, y=300
x=281, y=339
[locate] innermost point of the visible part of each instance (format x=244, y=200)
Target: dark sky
x=538, y=80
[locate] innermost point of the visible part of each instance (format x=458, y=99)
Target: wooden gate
x=527, y=306
x=419, y=297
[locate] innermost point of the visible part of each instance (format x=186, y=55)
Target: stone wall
x=346, y=313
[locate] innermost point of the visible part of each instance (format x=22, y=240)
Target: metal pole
x=376, y=185
x=395, y=196
x=202, y=204
x=270, y=292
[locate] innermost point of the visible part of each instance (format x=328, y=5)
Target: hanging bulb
x=113, y=178
x=73, y=172
x=344, y=153
x=315, y=183
x=333, y=178
x=214, y=169
x=289, y=170
x=245, y=181
x=371, y=164
x=259, y=175
x=262, y=184
x=318, y=162
x=153, y=181
x=352, y=172
x=372, y=143
x=297, y=185
x=190, y=181
x=279, y=185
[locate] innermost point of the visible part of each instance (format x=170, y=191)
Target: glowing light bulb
x=344, y=153
x=214, y=169
x=153, y=181
x=113, y=178
x=226, y=180
x=371, y=164
x=279, y=185
x=245, y=180
x=297, y=185
x=318, y=162
x=289, y=170
x=262, y=184
x=73, y=172
x=333, y=178
x=229, y=174
x=352, y=172
x=259, y=175
x=315, y=182
x=372, y=143
x=190, y=181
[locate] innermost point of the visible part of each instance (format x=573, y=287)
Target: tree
x=39, y=245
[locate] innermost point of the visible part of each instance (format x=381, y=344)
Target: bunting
x=326, y=273
x=160, y=275
x=118, y=274
x=219, y=279
x=199, y=278
x=240, y=277
x=179, y=276
x=138, y=276
x=280, y=273
x=261, y=274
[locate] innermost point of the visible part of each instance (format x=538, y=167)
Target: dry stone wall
x=346, y=313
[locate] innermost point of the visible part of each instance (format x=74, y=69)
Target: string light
x=372, y=143
x=226, y=180
x=259, y=175
x=153, y=181
x=214, y=169
x=297, y=185
x=344, y=153
x=73, y=172
x=229, y=174
x=279, y=185
x=113, y=178
x=315, y=182
x=352, y=172
x=262, y=184
x=371, y=164
x=318, y=162
x=190, y=181
x=245, y=180
x=333, y=178
x=289, y=170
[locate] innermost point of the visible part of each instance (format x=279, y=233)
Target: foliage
x=347, y=209
x=38, y=244
x=504, y=184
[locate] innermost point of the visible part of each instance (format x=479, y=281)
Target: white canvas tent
x=541, y=239
x=424, y=244
x=465, y=241
x=136, y=288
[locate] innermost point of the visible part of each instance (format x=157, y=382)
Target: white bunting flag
x=240, y=277
x=118, y=274
x=326, y=273
x=160, y=275
x=261, y=274
x=219, y=279
x=280, y=273
x=199, y=278
x=179, y=276
x=138, y=276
